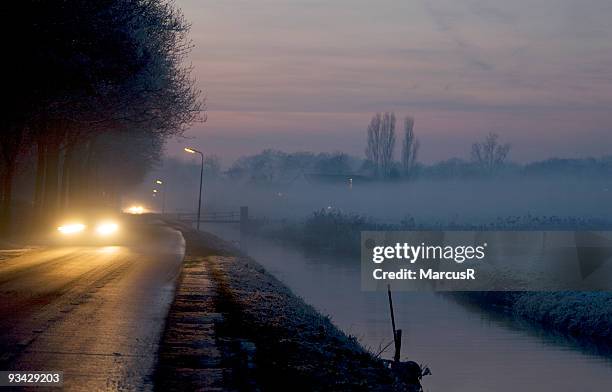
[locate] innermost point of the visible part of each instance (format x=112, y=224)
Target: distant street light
x=194, y=151
x=163, y=184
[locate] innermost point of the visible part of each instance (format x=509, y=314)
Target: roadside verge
x=233, y=326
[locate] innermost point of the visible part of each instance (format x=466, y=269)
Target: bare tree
x=490, y=154
x=410, y=147
x=388, y=143
x=373, y=147
x=381, y=142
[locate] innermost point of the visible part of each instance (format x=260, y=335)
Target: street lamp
x=194, y=151
x=160, y=182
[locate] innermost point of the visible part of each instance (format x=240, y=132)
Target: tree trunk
x=41, y=166
x=90, y=180
x=50, y=200
x=76, y=178
x=11, y=148
x=7, y=196
x=66, y=177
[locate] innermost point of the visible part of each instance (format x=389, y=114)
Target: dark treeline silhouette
x=92, y=90
x=487, y=156
x=488, y=159
x=277, y=166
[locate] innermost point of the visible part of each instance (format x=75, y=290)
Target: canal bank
x=233, y=326
x=467, y=347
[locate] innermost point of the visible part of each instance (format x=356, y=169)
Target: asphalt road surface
x=94, y=312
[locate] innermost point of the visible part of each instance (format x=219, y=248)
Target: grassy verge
x=577, y=314
x=275, y=341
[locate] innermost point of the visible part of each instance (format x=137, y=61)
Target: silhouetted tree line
x=487, y=156
x=92, y=89
x=279, y=166
x=276, y=166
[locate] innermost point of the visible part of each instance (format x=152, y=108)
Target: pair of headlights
x=102, y=229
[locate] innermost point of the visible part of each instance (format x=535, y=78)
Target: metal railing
x=241, y=216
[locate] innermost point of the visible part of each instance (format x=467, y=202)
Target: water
x=467, y=349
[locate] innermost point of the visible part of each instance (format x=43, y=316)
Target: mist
x=437, y=200
x=426, y=200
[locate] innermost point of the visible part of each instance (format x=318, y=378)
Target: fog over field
x=425, y=200
x=450, y=200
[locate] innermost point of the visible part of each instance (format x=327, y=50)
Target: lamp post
x=163, y=184
x=194, y=151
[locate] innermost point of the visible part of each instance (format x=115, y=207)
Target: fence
x=240, y=217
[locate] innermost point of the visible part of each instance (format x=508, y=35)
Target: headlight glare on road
x=107, y=228
x=71, y=228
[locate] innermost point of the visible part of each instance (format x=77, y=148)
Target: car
x=90, y=228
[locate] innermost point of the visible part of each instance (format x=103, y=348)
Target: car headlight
x=136, y=210
x=107, y=228
x=71, y=228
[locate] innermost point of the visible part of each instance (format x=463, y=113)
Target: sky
x=301, y=75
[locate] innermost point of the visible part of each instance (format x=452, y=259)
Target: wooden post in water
x=397, y=333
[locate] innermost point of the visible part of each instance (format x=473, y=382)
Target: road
x=94, y=312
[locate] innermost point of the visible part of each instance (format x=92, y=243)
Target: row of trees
x=488, y=155
x=93, y=89
x=278, y=166
x=381, y=144
x=271, y=166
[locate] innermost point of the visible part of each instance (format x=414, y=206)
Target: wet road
x=95, y=313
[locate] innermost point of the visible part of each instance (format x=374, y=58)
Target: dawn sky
x=308, y=75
